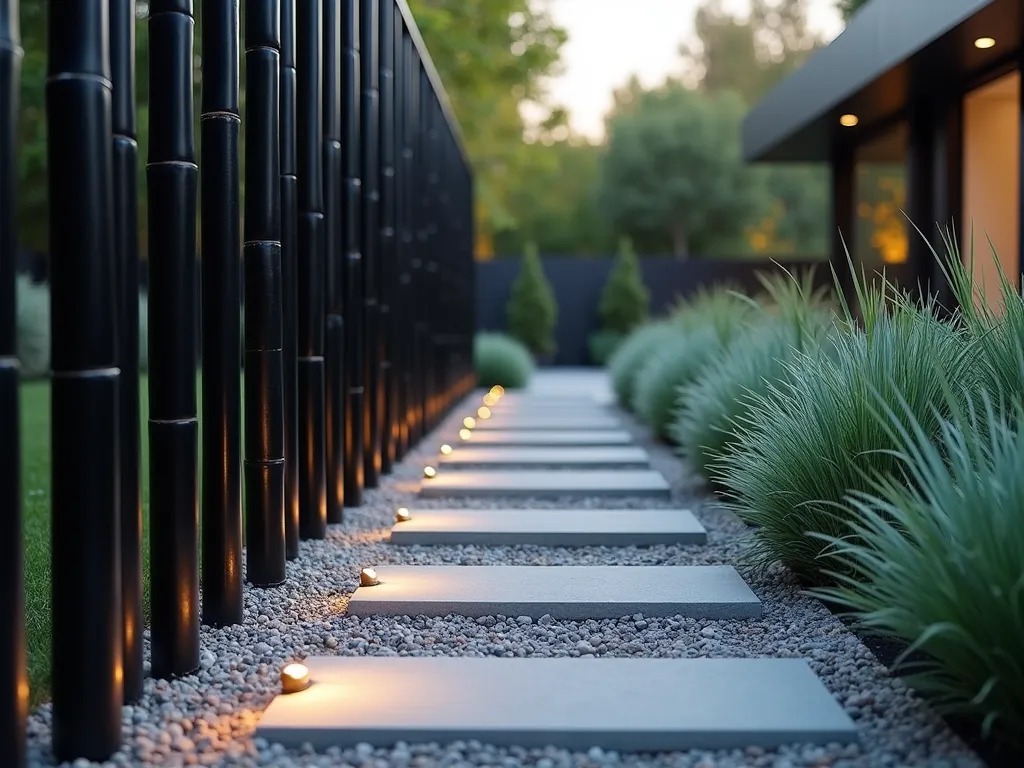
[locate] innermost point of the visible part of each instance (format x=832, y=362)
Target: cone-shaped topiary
x=532, y=311
x=624, y=300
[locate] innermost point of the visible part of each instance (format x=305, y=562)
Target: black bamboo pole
x=369, y=79
x=334, y=261
x=173, y=427
x=87, y=628
x=261, y=256
x=313, y=488
x=386, y=247
x=352, y=242
x=397, y=299
x=126, y=265
x=220, y=124
x=13, y=672
x=289, y=280
x=406, y=295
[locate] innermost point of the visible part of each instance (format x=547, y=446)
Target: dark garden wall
x=578, y=282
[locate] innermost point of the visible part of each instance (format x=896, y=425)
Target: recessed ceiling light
x=849, y=121
x=984, y=42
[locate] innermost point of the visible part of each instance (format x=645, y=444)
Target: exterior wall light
x=294, y=677
x=368, y=578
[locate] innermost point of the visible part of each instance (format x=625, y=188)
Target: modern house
x=917, y=107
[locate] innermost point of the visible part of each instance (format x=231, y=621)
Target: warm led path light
x=848, y=121
x=446, y=449
x=368, y=578
x=465, y=434
x=469, y=422
x=429, y=473
x=483, y=412
x=985, y=42
x=294, y=677
x=402, y=515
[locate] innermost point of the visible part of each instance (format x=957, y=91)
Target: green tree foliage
x=494, y=57
x=849, y=7
x=750, y=56
x=532, y=312
x=625, y=300
x=556, y=207
x=673, y=170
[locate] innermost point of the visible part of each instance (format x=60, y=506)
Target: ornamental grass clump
x=937, y=562
x=793, y=317
x=723, y=308
x=811, y=439
x=632, y=353
x=500, y=359
x=672, y=366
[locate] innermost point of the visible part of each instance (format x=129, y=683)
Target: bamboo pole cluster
x=354, y=269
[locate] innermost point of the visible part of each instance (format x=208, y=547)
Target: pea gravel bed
x=209, y=718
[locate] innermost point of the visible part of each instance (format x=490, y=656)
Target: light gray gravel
x=209, y=718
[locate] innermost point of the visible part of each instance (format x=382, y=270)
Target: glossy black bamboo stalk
x=126, y=266
x=409, y=112
x=430, y=267
x=289, y=280
x=386, y=248
x=370, y=172
x=309, y=133
x=352, y=241
x=86, y=547
x=399, y=302
x=13, y=672
x=173, y=426
x=264, y=354
x=220, y=123
x=334, y=263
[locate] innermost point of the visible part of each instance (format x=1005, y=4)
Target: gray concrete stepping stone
x=469, y=455
x=548, y=437
x=550, y=527
x=547, y=483
x=554, y=421
x=629, y=705
x=564, y=592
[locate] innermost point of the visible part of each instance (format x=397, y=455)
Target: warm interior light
x=294, y=677
x=984, y=42
x=402, y=515
x=446, y=449
x=469, y=422
x=429, y=472
x=368, y=578
x=483, y=412
x=849, y=120
x=465, y=434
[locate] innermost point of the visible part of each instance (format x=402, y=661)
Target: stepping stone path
x=562, y=592
x=625, y=704
x=621, y=457
x=547, y=484
x=622, y=704
x=554, y=421
x=550, y=527
x=548, y=438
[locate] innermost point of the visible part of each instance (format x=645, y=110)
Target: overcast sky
x=611, y=39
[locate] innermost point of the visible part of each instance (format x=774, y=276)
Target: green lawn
x=35, y=441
